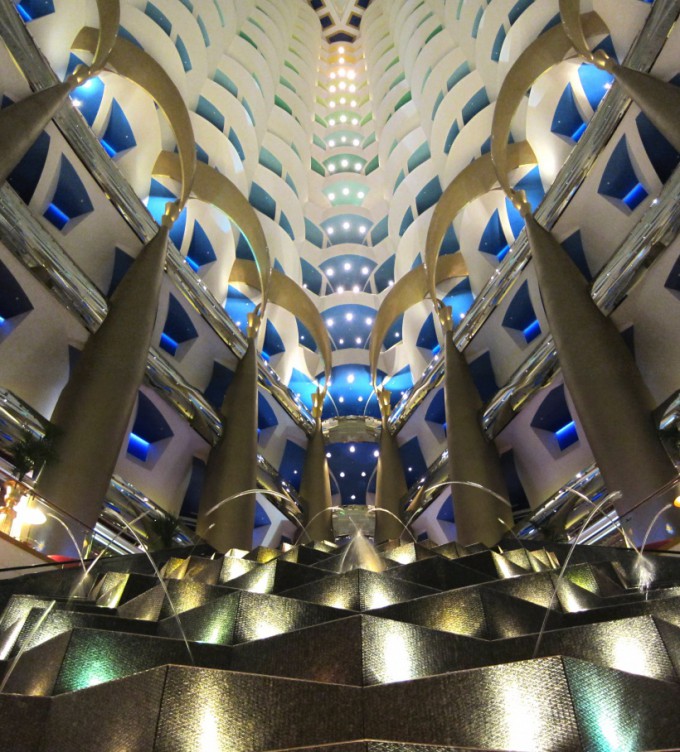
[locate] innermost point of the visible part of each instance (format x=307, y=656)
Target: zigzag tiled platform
x=272, y=650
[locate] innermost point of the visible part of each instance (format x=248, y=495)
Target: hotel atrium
x=360, y=134
x=326, y=328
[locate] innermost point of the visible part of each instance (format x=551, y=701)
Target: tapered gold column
x=472, y=458
x=22, y=122
x=232, y=465
x=391, y=482
x=611, y=400
x=659, y=100
x=315, y=489
x=94, y=408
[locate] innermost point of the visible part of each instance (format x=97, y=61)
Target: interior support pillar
x=94, y=408
x=611, y=400
x=22, y=122
x=315, y=489
x=481, y=517
x=232, y=465
x=391, y=485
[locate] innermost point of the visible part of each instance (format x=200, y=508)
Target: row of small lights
x=343, y=140
x=346, y=226
x=346, y=192
x=344, y=119
x=344, y=163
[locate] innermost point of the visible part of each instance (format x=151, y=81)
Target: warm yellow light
x=676, y=501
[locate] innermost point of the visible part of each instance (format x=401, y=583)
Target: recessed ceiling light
x=345, y=225
x=342, y=85
x=357, y=166
x=343, y=118
x=350, y=378
x=357, y=339
x=332, y=74
x=349, y=316
x=345, y=191
x=331, y=196
x=340, y=289
x=360, y=194
x=353, y=103
x=329, y=322
x=328, y=454
x=356, y=142
x=360, y=398
x=332, y=88
x=352, y=448
x=342, y=100
x=369, y=321
x=362, y=229
x=352, y=497
x=363, y=473
x=342, y=71
x=330, y=271
x=344, y=163
x=341, y=341
x=343, y=139
x=352, y=88
x=330, y=230
x=351, y=75
x=332, y=121
x=376, y=453
x=365, y=271
x=331, y=143
x=341, y=50
x=355, y=121
x=331, y=168
x=342, y=473
x=347, y=266
x=341, y=399
x=396, y=334
x=331, y=104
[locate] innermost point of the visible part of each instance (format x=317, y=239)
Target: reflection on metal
x=474, y=181
x=94, y=407
x=109, y=21
x=315, y=487
x=390, y=486
x=351, y=429
x=289, y=295
x=81, y=138
x=405, y=293
x=226, y=512
x=139, y=67
x=212, y=187
x=578, y=164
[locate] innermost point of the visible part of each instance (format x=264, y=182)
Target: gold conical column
x=391, y=482
x=472, y=459
x=94, y=407
x=315, y=489
x=232, y=465
x=659, y=100
x=611, y=400
x=22, y=122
